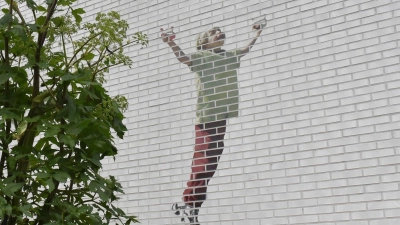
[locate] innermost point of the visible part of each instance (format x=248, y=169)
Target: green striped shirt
x=216, y=82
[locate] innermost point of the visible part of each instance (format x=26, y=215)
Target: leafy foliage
x=56, y=118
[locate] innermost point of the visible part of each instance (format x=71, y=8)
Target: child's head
x=210, y=39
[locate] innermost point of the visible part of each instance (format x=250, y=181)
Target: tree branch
x=79, y=49
x=41, y=39
x=4, y=155
x=46, y=204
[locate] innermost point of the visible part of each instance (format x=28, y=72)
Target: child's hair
x=202, y=38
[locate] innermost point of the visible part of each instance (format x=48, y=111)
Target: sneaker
x=193, y=216
x=188, y=212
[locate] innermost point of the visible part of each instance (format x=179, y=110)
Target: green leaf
x=50, y=183
x=22, y=151
x=31, y=4
x=25, y=209
x=40, y=20
x=95, y=162
x=9, y=179
x=41, y=175
x=52, y=131
x=103, y=196
x=58, y=21
x=93, y=186
x=21, y=77
x=41, y=9
x=41, y=97
x=33, y=119
x=11, y=162
x=6, y=76
x=68, y=77
x=8, y=114
x=39, y=145
x=5, y=20
x=68, y=140
x=61, y=176
x=88, y=56
x=76, y=13
x=33, y=27
x=21, y=129
x=20, y=32
x=11, y=188
x=91, y=94
x=75, y=129
x=119, y=127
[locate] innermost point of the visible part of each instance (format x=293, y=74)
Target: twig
x=79, y=49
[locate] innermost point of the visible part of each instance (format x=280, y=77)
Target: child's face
x=216, y=39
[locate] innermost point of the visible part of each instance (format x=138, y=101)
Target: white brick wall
x=317, y=139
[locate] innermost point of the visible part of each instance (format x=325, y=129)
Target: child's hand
x=257, y=28
x=167, y=36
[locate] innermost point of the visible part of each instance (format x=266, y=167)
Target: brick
x=333, y=50
x=347, y=25
x=362, y=163
x=385, y=221
x=332, y=184
x=381, y=187
x=372, y=4
x=344, y=11
x=382, y=205
x=367, y=214
x=329, y=151
x=334, y=217
x=303, y=219
x=342, y=141
x=341, y=126
x=338, y=95
x=360, y=14
x=318, y=210
x=317, y=193
x=366, y=197
x=347, y=174
x=379, y=33
x=332, y=200
x=313, y=5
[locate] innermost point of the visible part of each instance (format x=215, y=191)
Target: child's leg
x=209, y=146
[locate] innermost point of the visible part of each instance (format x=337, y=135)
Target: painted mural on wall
x=217, y=100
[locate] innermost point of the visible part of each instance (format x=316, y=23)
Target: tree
x=56, y=119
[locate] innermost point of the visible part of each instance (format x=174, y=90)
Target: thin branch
x=79, y=49
x=112, y=52
x=41, y=39
x=2, y=56
x=4, y=154
x=19, y=14
x=83, y=55
x=46, y=205
x=65, y=50
x=50, y=11
x=101, y=57
x=34, y=14
x=51, y=93
x=104, y=68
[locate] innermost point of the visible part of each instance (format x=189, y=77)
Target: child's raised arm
x=247, y=48
x=180, y=55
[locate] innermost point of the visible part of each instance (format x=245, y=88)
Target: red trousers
x=207, y=151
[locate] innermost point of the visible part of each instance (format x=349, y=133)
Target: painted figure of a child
x=218, y=100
